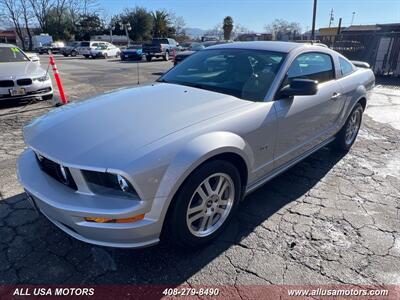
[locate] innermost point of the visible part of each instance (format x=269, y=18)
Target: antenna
x=137, y=71
x=331, y=18
x=352, y=18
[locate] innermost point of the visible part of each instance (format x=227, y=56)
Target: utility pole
x=339, y=26
x=313, y=20
x=331, y=18
x=352, y=18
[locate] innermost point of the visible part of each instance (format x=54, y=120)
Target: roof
x=362, y=28
x=276, y=46
x=6, y=45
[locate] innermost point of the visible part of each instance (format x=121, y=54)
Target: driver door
x=306, y=121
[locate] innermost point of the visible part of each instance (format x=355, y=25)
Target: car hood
x=20, y=69
x=100, y=131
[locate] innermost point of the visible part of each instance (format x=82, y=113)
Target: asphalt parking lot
x=328, y=220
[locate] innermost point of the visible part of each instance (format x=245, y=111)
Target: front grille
x=24, y=81
x=6, y=83
x=53, y=169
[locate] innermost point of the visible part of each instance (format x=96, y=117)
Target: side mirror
x=299, y=87
x=34, y=57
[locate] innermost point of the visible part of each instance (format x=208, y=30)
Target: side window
x=345, y=66
x=312, y=65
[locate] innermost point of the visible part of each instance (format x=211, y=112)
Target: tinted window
x=345, y=66
x=315, y=66
x=85, y=44
x=246, y=74
x=160, y=41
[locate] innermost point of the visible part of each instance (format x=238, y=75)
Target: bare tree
x=280, y=27
x=41, y=9
x=27, y=16
x=178, y=23
x=11, y=10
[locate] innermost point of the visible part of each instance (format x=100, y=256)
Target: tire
x=166, y=56
x=105, y=55
x=148, y=57
x=347, y=135
x=47, y=97
x=74, y=53
x=65, y=54
x=197, y=229
x=86, y=56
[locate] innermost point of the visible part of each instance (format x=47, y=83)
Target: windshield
x=12, y=54
x=246, y=74
x=159, y=41
x=134, y=47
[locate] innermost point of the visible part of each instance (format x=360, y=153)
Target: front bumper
x=131, y=56
x=67, y=208
x=35, y=90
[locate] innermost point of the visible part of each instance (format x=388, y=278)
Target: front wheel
x=148, y=57
x=346, y=137
x=204, y=204
x=74, y=53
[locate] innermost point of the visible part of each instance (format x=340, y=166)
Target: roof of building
x=362, y=28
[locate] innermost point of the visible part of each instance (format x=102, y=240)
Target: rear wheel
x=166, y=56
x=74, y=53
x=347, y=135
x=204, y=204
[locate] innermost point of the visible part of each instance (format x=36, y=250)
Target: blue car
x=133, y=52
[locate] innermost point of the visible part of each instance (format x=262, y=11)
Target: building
x=8, y=36
x=115, y=39
x=255, y=37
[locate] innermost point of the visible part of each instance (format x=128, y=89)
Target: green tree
x=161, y=24
x=227, y=27
x=141, y=23
x=88, y=25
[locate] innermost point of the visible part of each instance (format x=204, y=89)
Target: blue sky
x=254, y=14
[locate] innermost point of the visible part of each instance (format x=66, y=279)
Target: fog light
x=123, y=184
x=107, y=220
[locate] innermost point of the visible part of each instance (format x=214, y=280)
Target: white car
x=97, y=49
x=21, y=75
x=106, y=51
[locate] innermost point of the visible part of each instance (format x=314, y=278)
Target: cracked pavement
x=328, y=220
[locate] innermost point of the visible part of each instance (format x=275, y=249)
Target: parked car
x=86, y=48
x=105, y=51
x=51, y=48
x=194, y=47
x=160, y=47
x=21, y=76
x=71, y=49
x=132, y=52
x=176, y=157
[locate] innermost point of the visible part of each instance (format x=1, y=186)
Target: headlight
x=45, y=77
x=108, y=183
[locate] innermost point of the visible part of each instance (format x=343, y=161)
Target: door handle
x=335, y=96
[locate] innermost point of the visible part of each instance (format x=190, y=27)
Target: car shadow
x=163, y=264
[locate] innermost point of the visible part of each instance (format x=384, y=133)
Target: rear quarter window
x=346, y=67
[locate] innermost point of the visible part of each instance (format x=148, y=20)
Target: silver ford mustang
x=174, y=158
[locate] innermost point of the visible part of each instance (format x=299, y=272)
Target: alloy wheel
x=353, y=127
x=210, y=204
